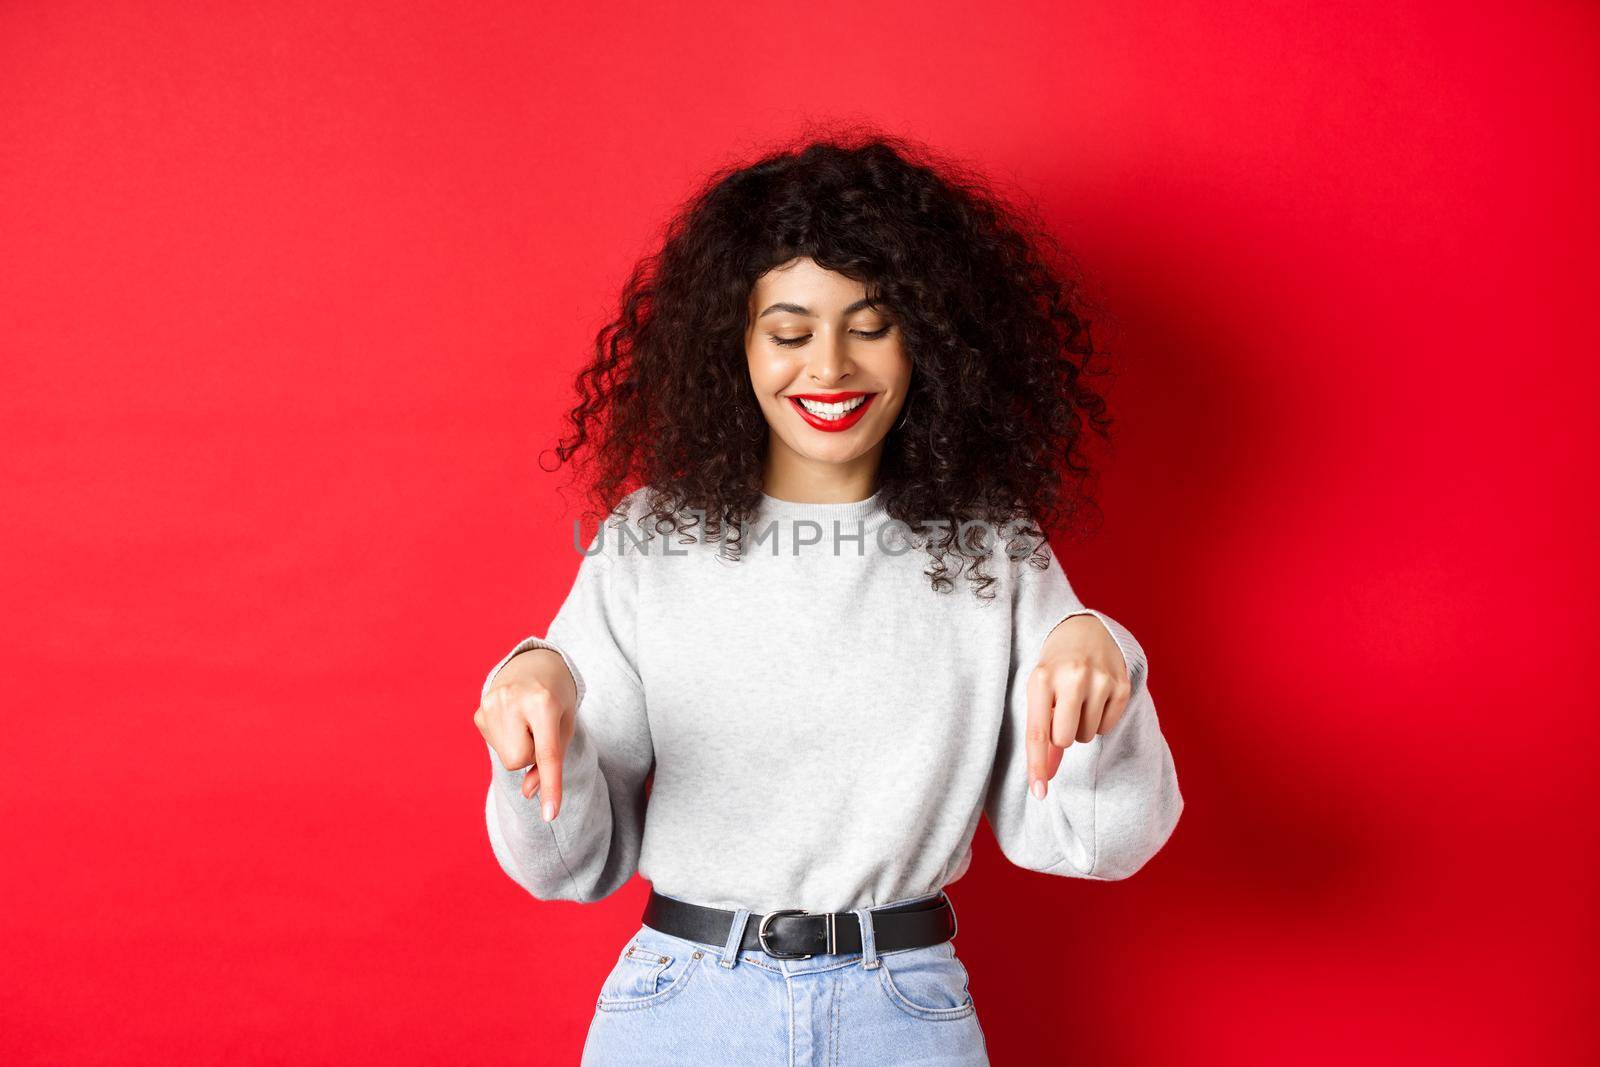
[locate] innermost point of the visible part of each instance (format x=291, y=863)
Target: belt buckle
x=761, y=933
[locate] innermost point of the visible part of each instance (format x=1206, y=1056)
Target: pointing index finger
x=1040, y=702
x=545, y=724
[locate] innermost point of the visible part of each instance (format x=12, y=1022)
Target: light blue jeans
x=670, y=1002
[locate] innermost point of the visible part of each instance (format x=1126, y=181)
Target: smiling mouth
x=831, y=411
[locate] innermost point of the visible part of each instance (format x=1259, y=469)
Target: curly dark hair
x=992, y=315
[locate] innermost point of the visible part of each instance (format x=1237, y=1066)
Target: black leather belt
x=795, y=934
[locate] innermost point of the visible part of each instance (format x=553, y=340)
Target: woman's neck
x=802, y=480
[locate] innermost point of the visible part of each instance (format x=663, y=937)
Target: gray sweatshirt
x=825, y=728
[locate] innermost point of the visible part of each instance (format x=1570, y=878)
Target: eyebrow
x=798, y=310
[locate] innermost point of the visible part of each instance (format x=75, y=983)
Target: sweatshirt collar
x=870, y=507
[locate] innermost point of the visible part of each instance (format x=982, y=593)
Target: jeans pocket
x=650, y=970
x=927, y=983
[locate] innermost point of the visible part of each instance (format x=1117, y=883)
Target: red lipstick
x=831, y=425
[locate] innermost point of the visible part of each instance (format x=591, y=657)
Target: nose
x=832, y=363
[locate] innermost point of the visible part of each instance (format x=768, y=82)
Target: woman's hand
x=528, y=716
x=1079, y=689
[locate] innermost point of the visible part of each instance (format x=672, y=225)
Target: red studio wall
x=292, y=299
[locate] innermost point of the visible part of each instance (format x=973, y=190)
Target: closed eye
x=791, y=342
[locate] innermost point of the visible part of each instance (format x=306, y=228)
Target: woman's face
x=830, y=373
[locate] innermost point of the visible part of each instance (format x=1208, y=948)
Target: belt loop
x=730, y=951
x=869, y=946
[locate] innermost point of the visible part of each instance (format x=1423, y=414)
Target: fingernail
x=549, y=811
x=1038, y=788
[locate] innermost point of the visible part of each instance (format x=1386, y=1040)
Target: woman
x=850, y=390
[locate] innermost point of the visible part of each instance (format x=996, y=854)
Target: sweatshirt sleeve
x=1114, y=801
x=591, y=848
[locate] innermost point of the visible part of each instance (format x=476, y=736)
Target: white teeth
x=831, y=411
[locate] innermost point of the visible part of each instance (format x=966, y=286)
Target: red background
x=292, y=298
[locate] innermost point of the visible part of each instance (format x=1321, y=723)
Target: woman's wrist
x=544, y=665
